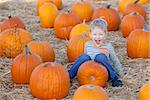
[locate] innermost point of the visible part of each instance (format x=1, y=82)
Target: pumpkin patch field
x=40, y=38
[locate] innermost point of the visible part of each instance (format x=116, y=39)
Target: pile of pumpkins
x=34, y=64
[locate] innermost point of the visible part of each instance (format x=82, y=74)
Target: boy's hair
x=100, y=23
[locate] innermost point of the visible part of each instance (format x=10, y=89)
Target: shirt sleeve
x=113, y=57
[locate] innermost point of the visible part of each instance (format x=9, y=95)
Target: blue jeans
x=100, y=58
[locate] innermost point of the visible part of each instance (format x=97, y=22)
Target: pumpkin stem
x=91, y=86
x=108, y=6
x=145, y=28
x=84, y=21
x=136, y=1
x=27, y=50
x=9, y=16
x=134, y=13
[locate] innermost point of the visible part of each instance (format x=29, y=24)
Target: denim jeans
x=100, y=58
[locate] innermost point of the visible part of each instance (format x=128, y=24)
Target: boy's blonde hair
x=100, y=23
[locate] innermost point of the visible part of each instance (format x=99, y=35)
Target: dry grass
x=137, y=70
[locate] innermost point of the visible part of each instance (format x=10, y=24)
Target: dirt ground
x=137, y=70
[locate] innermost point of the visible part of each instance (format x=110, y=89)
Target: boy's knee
x=100, y=57
x=85, y=57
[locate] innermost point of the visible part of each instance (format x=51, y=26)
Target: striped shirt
x=108, y=50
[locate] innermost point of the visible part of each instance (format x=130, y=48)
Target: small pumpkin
x=23, y=65
x=131, y=22
x=64, y=23
x=49, y=81
x=134, y=7
x=110, y=15
x=12, y=22
x=83, y=9
x=39, y=3
x=76, y=46
x=141, y=40
x=43, y=49
x=92, y=72
x=13, y=41
x=123, y=3
x=144, y=93
x=90, y=92
x=79, y=29
x=47, y=14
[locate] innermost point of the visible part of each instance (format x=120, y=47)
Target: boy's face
x=98, y=36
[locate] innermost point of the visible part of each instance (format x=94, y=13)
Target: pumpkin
x=110, y=15
x=13, y=41
x=92, y=72
x=23, y=65
x=79, y=29
x=11, y=22
x=49, y=81
x=144, y=93
x=64, y=23
x=134, y=7
x=75, y=46
x=90, y=92
x=43, y=49
x=131, y=22
x=47, y=14
x=123, y=3
x=39, y=3
x=83, y=9
x=141, y=40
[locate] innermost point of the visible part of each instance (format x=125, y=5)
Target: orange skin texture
x=110, y=15
x=11, y=23
x=135, y=8
x=123, y=3
x=22, y=67
x=92, y=72
x=76, y=47
x=83, y=9
x=39, y=3
x=47, y=14
x=90, y=92
x=43, y=49
x=144, y=93
x=64, y=23
x=138, y=44
x=50, y=81
x=130, y=23
x=13, y=41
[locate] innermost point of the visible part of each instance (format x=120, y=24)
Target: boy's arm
x=117, y=65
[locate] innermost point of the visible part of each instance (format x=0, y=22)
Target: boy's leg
x=102, y=58
x=74, y=69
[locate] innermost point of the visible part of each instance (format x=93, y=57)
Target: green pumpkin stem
x=136, y=1
x=27, y=50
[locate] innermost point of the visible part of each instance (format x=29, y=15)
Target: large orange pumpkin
x=13, y=41
x=76, y=47
x=47, y=14
x=80, y=29
x=144, y=93
x=92, y=72
x=131, y=22
x=23, y=65
x=90, y=92
x=83, y=9
x=64, y=23
x=12, y=22
x=134, y=7
x=123, y=3
x=138, y=43
x=39, y=3
x=43, y=49
x=49, y=81
x=110, y=15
